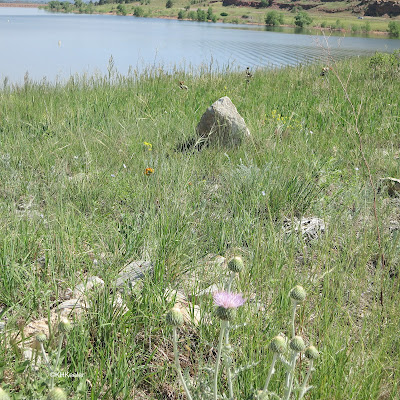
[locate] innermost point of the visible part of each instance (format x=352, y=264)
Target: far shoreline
x=314, y=28
x=23, y=5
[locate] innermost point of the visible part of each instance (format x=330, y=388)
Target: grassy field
x=73, y=189
x=343, y=20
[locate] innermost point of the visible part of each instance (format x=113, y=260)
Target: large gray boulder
x=222, y=125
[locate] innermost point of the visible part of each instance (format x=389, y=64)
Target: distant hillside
x=23, y=2
x=372, y=8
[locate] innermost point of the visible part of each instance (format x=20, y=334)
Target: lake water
x=57, y=45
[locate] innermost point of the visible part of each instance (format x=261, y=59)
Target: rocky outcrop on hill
x=240, y=3
x=372, y=8
x=290, y=6
x=381, y=7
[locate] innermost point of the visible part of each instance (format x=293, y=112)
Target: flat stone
x=132, y=273
x=91, y=283
x=206, y=292
x=119, y=304
x=72, y=306
x=310, y=228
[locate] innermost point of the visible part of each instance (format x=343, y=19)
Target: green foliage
x=274, y=18
x=394, y=29
x=138, y=11
x=224, y=14
x=214, y=18
x=265, y=3
x=302, y=19
x=121, y=9
x=181, y=14
x=169, y=4
x=192, y=15
x=296, y=9
x=338, y=24
x=324, y=24
x=386, y=63
x=366, y=27
x=201, y=15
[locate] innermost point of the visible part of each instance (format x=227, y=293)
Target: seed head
x=41, y=337
x=4, y=395
x=298, y=294
x=278, y=345
x=236, y=264
x=297, y=344
x=175, y=317
x=65, y=325
x=57, y=394
x=311, y=353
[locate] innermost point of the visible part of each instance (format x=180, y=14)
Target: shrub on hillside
x=138, y=12
x=265, y=3
x=121, y=9
x=192, y=15
x=394, y=29
x=302, y=19
x=366, y=27
x=169, y=4
x=201, y=15
x=274, y=18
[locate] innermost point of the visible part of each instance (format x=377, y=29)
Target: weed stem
x=217, y=361
x=177, y=364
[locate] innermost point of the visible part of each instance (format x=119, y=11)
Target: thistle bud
x=65, y=325
x=278, y=345
x=4, y=395
x=297, y=344
x=57, y=394
x=259, y=395
x=41, y=337
x=298, y=294
x=311, y=353
x=226, y=314
x=236, y=264
x=175, y=317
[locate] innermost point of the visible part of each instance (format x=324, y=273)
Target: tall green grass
x=73, y=189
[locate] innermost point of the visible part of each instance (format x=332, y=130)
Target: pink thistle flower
x=228, y=300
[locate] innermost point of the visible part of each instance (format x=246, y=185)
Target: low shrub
x=274, y=18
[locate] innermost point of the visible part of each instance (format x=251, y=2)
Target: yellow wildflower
x=148, y=145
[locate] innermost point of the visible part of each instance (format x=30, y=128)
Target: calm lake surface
x=56, y=46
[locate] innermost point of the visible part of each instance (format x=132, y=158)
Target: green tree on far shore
x=394, y=29
x=302, y=19
x=274, y=18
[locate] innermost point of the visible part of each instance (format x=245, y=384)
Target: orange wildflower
x=148, y=171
